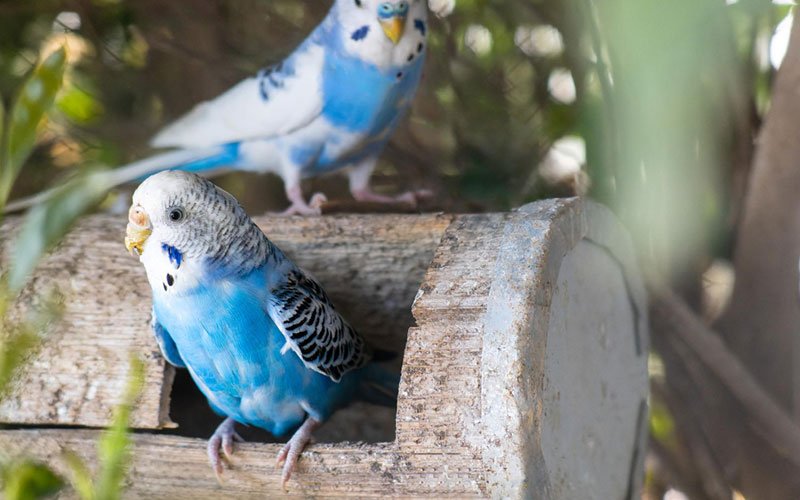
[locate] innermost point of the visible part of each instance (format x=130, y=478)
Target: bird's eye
x=176, y=214
x=402, y=7
x=385, y=9
x=359, y=3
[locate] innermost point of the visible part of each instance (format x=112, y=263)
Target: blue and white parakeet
x=259, y=336
x=330, y=106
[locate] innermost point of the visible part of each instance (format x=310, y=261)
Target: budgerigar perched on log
x=259, y=336
x=329, y=106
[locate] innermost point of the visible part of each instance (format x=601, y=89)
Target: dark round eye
x=402, y=7
x=359, y=4
x=176, y=214
x=385, y=9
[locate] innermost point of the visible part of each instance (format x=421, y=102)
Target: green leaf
x=2, y=128
x=114, y=446
x=15, y=346
x=81, y=477
x=19, y=340
x=47, y=223
x=78, y=105
x=27, y=480
x=33, y=102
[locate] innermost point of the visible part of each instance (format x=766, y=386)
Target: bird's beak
x=394, y=27
x=138, y=230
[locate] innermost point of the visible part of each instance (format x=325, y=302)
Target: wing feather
x=313, y=328
x=277, y=101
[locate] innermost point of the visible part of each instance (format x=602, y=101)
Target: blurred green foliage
x=19, y=338
x=33, y=100
x=27, y=480
x=482, y=122
x=48, y=222
x=21, y=478
x=665, y=97
x=113, y=450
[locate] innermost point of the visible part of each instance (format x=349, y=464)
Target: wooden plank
x=439, y=407
x=176, y=467
x=437, y=452
x=370, y=265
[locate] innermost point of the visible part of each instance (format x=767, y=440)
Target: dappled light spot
x=442, y=8
x=67, y=21
x=780, y=41
x=564, y=165
x=478, y=39
x=542, y=41
x=561, y=85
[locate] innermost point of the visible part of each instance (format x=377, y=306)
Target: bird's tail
x=205, y=161
x=379, y=385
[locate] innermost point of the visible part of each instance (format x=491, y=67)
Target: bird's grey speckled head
x=189, y=213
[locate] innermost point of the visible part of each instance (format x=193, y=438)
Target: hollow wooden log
x=524, y=372
x=371, y=267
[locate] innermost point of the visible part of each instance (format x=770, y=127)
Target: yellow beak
x=138, y=230
x=394, y=28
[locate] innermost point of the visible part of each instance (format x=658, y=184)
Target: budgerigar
x=329, y=106
x=259, y=336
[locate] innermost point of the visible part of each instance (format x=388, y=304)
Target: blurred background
x=673, y=113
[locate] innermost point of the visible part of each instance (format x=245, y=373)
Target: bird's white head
x=383, y=32
x=179, y=215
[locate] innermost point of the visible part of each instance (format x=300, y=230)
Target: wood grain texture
x=177, y=468
x=437, y=452
x=470, y=408
x=371, y=266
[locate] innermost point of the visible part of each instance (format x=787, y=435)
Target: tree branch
x=770, y=420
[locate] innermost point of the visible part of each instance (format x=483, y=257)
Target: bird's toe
x=227, y=443
x=317, y=201
x=213, y=456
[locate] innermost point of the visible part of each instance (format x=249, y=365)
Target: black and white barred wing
x=314, y=329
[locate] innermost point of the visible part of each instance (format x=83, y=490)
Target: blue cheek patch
x=419, y=24
x=360, y=33
x=175, y=255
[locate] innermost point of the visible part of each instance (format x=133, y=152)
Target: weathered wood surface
x=437, y=451
x=370, y=265
x=488, y=365
x=177, y=468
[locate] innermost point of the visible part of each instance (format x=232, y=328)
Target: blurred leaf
x=2, y=128
x=560, y=121
x=34, y=100
x=79, y=106
x=18, y=341
x=81, y=478
x=27, y=480
x=781, y=11
x=48, y=222
x=15, y=345
x=662, y=426
x=114, y=446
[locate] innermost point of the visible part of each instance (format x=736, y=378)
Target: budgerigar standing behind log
x=330, y=106
x=258, y=335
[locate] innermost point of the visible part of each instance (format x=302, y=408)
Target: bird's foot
x=223, y=438
x=291, y=451
x=300, y=207
x=409, y=197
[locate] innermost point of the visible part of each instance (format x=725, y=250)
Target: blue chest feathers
x=360, y=97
